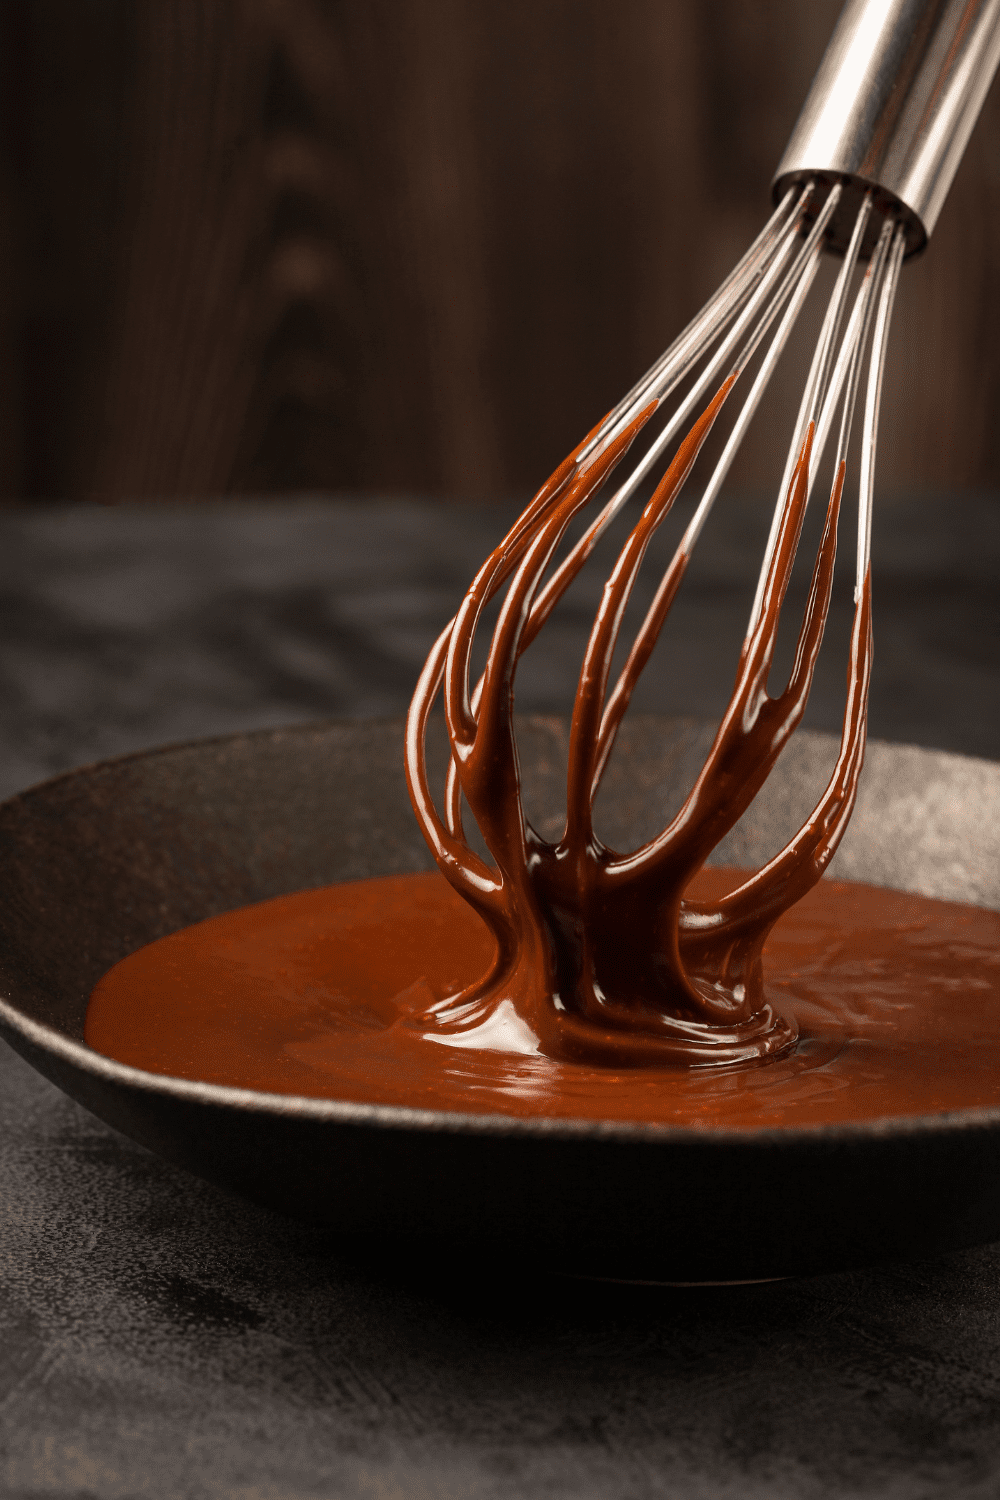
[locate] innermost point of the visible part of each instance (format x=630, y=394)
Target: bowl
x=100, y=861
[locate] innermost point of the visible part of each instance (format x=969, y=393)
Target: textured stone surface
x=159, y=1339
x=129, y=627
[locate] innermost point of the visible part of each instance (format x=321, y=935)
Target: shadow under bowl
x=101, y=861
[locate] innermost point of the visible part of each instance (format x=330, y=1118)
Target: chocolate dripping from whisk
x=599, y=957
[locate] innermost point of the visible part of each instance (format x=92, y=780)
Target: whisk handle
x=892, y=106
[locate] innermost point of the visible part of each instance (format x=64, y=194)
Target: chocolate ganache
x=895, y=997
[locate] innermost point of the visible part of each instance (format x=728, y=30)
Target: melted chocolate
x=604, y=956
x=896, y=999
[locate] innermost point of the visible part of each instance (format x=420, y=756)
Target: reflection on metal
x=892, y=106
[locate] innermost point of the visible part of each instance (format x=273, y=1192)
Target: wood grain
x=255, y=245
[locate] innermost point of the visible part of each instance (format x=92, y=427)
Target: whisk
x=600, y=954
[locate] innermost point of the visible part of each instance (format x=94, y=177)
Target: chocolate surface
x=896, y=999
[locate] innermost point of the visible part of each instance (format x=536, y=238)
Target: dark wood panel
x=375, y=244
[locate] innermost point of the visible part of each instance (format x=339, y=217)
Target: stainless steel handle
x=892, y=106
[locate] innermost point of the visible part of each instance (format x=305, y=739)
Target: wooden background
x=261, y=245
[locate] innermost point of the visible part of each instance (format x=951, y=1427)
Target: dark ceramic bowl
x=101, y=861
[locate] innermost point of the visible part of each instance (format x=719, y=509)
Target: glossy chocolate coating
x=896, y=999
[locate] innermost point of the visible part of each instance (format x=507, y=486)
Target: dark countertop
x=160, y=1339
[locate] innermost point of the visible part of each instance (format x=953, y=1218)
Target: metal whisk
x=865, y=174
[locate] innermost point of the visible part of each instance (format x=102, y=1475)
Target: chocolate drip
x=600, y=957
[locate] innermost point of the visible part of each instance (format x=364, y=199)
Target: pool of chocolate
x=896, y=999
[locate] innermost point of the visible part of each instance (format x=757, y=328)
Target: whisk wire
x=817, y=382
x=725, y=303
x=777, y=281
x=799, y=282
x=763, y=296
x=849, y=358
x=827, y=385
x=872, y=403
